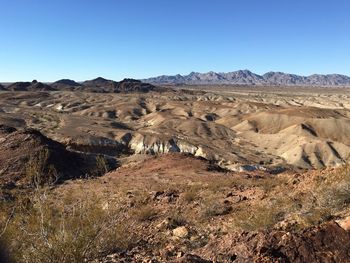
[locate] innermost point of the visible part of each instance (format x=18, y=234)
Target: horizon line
x=181, y=74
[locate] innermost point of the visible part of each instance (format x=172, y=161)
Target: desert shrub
x=329, y=196
x=42, y=230
x=212, y=207
x=145, y=213
x=101, y=166
x=334, y=191
x=261, y=217
x=191, y=194
x=38, y=171
x=264, y=215
x=176, y=219
x=268, y=184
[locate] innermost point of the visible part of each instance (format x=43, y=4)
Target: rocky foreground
x=177, y=208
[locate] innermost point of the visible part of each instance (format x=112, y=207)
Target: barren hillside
x=238, y=130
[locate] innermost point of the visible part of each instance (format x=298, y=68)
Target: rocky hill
x=246, y=77
x=27, y=155
x=132, y=85
x=66, y=84
x=29, y=86
x=124, y=86
x=98, y=85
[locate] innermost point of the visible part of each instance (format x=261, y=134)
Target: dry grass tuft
x=145, y=213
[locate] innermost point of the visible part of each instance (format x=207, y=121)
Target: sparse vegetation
x=176, y=219
x=261, y=216
x=330, y=196
x=191, y=194
x=42, y=229
x=38, y=171
x=145, y=213
x=101, y=166
x=88, y=219
x=211, y=208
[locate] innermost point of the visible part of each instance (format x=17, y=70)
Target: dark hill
x=100, y=85
x=66, y=84
x=29, y=86
x=132, y=85
x=22, y=155
x=19, y=86
x=124, y=86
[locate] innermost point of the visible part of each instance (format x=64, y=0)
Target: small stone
x=344, y=223
x=105, y=206
x=163, y=224
x=193, y=238
x=180, y=232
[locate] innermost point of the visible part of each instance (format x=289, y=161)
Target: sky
x=49, y=40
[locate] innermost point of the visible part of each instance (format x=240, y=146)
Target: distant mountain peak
x=100, y=79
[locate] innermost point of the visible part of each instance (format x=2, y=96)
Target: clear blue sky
x=82, y=39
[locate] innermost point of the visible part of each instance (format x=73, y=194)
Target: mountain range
x=246, y=77
x=99, y=85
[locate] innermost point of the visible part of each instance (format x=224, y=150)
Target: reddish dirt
x=164, y=180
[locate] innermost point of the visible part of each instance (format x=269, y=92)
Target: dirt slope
x=182, y=209
x=27, y=153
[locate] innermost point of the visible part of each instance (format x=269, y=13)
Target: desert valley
x=106, y=171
